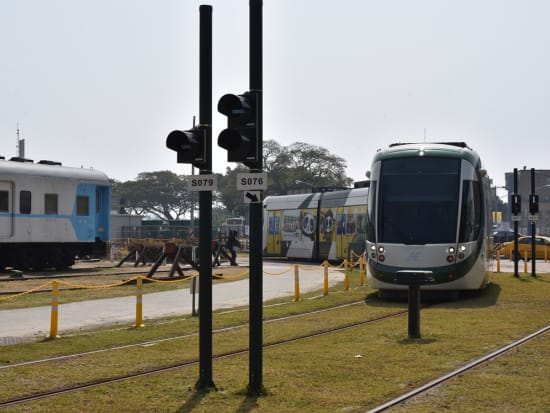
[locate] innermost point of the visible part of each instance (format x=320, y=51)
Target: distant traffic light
x=241, y=136
x=533, y=204
x=516, y=204
x=189, y=145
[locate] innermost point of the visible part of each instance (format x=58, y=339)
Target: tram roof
x=433, y=149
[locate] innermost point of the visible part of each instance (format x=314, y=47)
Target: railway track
x=186, y=363
x=464, y=369
x=194, y=361
x=77, y=274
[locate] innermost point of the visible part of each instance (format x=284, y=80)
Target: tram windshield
x=418, y=200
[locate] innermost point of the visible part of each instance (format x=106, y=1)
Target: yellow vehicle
x=542, y=247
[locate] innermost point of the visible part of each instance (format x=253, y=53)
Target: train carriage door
x=102, y=211
x=341, y=219
x=327, y=224
x=6, y=209
x=274, y=236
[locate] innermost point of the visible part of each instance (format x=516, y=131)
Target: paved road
x=34, y=323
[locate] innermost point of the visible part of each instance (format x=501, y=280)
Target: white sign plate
x=516, y=217
x=196, y=183
x=252, y=181
x=252, y=196
x=533, y=217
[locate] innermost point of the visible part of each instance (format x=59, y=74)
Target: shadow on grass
x=407, y=341
x=192, y=401
x=526, y=278
x=486, y=297
x=248, y=404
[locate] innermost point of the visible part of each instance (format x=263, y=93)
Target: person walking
x=232, y=243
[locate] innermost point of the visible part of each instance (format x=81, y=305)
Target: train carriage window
x=50, y=204
x=25, y=202
x=96, y=202
x=82, y=205
x=470, y=219
x=4, y=201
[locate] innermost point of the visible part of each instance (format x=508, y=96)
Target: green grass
x=322, y=374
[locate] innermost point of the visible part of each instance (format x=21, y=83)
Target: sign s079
x=197, y=183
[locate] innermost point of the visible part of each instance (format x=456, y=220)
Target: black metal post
x=414, y=310
x=414, y=279
x=205, y=381
x=516, y=258
x=255, y=385
x=193, y=291
x=533, y=228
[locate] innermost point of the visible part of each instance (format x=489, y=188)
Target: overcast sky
x=101, y=83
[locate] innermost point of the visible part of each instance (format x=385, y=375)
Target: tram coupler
x=414, y=279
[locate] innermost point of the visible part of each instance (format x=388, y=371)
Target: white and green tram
x=429, y=213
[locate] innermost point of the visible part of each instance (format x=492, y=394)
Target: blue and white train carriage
x=50, y=214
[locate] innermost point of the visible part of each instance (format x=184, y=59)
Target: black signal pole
x=205, y=381
x=533, y=225
x=516, y=253
x=255, y=386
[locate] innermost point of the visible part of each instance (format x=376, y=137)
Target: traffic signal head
x=533, y=204
x=241, y=136
x=516, y=204
x=189, y=145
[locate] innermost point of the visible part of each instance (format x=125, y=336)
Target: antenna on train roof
x=20, y=144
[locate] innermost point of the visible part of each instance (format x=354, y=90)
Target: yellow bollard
x=325, y=279
x=362, y=271
x=498, y=262
x=139, y=301
x=346, y=274
x=54, y=312
x=296, y=283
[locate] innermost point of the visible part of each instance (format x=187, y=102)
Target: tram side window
x=25, y=202
x=50, y=204
x=470, y=217
x=4, y=201
x=371, y=206
x=82, y=205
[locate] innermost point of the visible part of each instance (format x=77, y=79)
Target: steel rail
x=449, y=376
x=96, y=383
x=165, y=339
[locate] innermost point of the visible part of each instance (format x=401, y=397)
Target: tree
x=228, y=195
x=162, y=194
x=304, y=162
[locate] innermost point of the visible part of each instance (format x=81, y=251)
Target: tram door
x=6, y=209
x=341, y=219
x=274, y=236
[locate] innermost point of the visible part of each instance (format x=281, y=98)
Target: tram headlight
x=381, y=249
x=451, y=250
x=373, y=251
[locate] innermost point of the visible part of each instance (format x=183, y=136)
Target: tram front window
x=418, y=200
